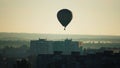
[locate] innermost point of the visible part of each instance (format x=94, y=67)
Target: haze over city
x=90, y=17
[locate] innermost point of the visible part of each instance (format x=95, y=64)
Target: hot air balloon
x=64, y=16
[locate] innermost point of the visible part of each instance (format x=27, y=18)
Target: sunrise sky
x=91, y=17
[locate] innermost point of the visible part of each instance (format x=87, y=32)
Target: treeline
x=15, y=43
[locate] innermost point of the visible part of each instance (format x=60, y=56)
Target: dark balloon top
x=64, y=16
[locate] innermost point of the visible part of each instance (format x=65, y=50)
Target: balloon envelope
x=64, y=16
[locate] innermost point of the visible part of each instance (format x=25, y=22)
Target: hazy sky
x=96, y=17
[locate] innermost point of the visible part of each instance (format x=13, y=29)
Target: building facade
x=43, y=46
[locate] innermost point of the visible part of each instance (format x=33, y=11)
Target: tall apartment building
x=43, y=46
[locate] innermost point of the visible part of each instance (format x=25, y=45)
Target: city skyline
x=94, y=17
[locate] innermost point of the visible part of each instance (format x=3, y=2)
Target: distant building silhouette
x=107, y=59
x=43, y=46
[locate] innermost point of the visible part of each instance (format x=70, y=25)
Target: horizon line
x=61, y=34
